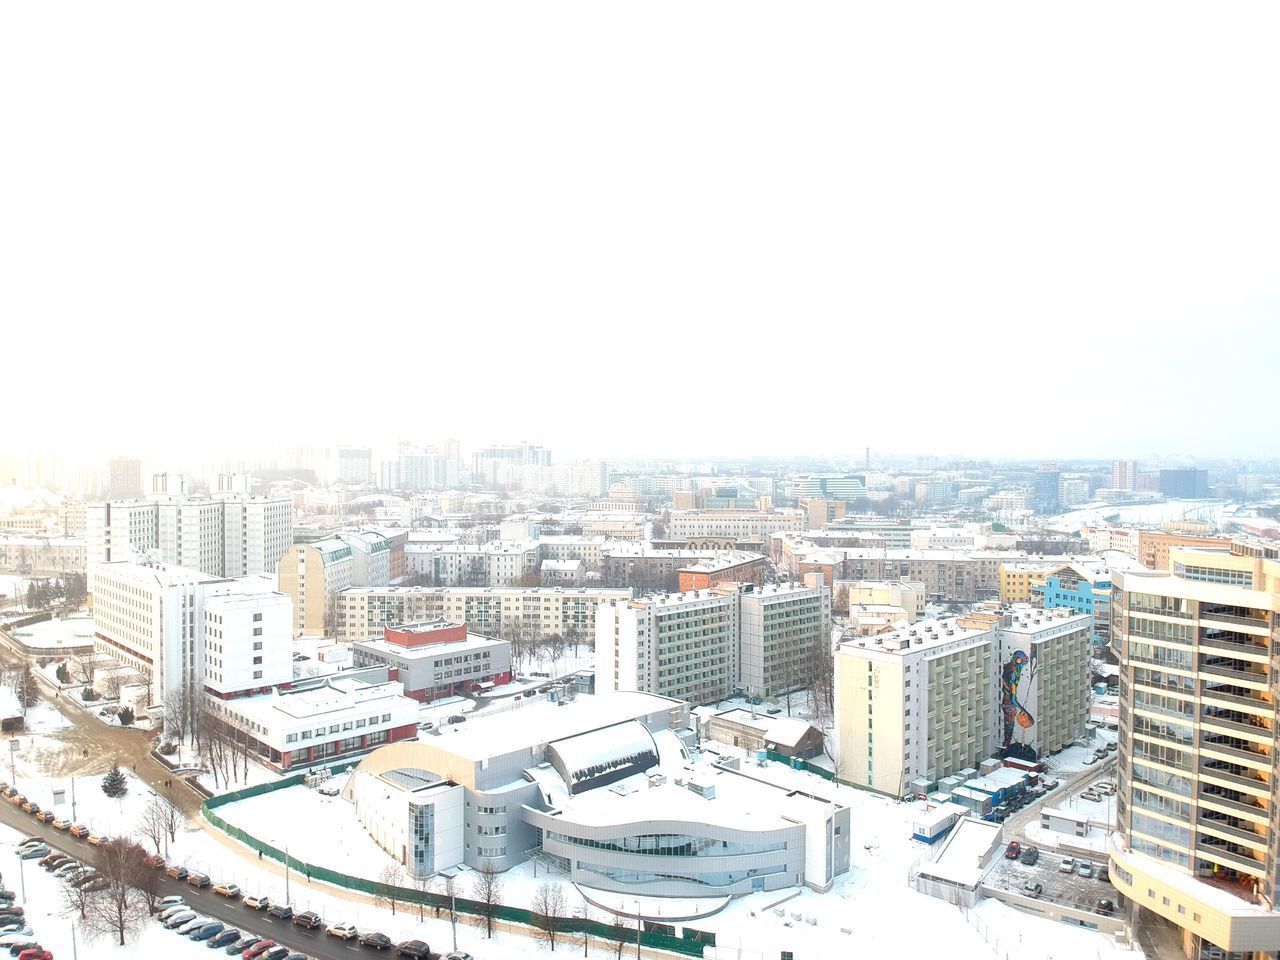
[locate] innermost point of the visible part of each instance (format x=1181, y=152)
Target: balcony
x=1235, y=802
x=1240, y=696
x=1231, y=857
x=1235, y=722
x=1231, y=644
x=1231, y=669
x=1231, y=828
x=1236, y=778
x=1235, y=749
x=1223, y=616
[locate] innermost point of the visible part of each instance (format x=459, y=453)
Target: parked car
x=83, y=877
x=60, y=824
x=171, y=911
x=31, y=853
x=243, y=944
x=177, y=871
x=95, y=840
x=345, y=931
x=1091, y=796
x=17, y=948
x=1085, y=869
x=51, y=860
x=66, y=869
x=170, y=901
x=30, y=807
x=198, y=880
x=456, y=718
x=224, y=939
x=256, y=903
x=228, y=890
x=457, y=955
x=1104, y=873
x=1111, y=747
x=1090, y=760
x=259, y=948
x=208, y=931
x=276, y=953
x=176, y=920
x=309, y=919
x=1013, y=850
x=1104, y=907
x=14, y=932
x=45, y=816
x=1051, y=784
x=281, y=911
x=426, y=725
x=96, y=884
x=1030, y=856
x=417, y=949
x=194, y=923
x=378, y=941
x=35, y=953
x=154, y=861
x=79, y=831
x=1068, y=865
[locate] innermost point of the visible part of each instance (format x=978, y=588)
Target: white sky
x=661, y=228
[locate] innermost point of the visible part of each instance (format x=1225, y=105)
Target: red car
x=1013, y=851
x=155, y=862
x=35, y=953
x=262, y=946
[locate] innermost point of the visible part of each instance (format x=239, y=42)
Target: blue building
x=1084, y=590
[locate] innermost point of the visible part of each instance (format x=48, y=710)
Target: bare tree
x=389, y=892
x=151, y=826
x=77, y=898
x=549, y=907
x=161, y=819
x=112, y=684
x=121, y=907
x=486, y=888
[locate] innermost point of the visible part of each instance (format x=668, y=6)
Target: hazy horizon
x=707, y=230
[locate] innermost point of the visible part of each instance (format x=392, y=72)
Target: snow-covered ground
x=73, y=631
x=1154, y=514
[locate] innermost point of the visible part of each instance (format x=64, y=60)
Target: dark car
x=281, y=911
x=378, y=941
x=1104, y=907
x=277, y=953
x=456, y=718
x=224, y=939
x=243, y=944
x=1030, y=856
x=208, y=931
x=177, y=871
x=309, y=919
x=198, y=880
x=414, y=948
x=1104, y=873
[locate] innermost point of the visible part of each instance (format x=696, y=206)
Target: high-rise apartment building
x=1185, y=484
x=355, y=465
x=702, y=645
x=229, y=535
x=924, y=702
x=124, y=478
x=1124, y=474
x=1045, y=492
x=1196, y=839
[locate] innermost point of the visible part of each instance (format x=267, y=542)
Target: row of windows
x=672, y=845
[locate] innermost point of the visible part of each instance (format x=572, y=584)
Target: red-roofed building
x=437, y=659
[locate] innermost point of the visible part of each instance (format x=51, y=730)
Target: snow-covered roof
x=603, y=754
x=963, y=857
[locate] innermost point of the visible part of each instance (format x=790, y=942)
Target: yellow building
x=1019, y=578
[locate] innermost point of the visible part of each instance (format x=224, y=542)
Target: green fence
x=799, y=763
x=654, y=935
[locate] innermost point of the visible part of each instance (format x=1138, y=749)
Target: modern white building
x=160, y=621
x=247, y=640
x=437, y=659
x=609, y=790
x=737, y=525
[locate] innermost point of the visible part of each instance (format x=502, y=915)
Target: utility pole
x=638, y=925
x=286, y=874
x=73, y=799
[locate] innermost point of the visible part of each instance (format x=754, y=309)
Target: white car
x=194, y=924
x=347, y=931
x=173, y=900
x=171, y=911
x=178, y=919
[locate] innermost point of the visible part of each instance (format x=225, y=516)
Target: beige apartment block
x=1196, y=838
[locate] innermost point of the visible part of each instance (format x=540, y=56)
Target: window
x=257, y=661
x=257, y=618
x=257, y=674
x=386, y=718
x=258, y=645
x=333, y=728
x=290, y=737
x=257, y=631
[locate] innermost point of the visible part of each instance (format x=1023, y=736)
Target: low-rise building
x=789, y=736
x=437, y=659
x=732, y=567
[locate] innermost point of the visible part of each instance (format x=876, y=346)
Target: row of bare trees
x=529, y=643
x=223, y=748
x=120, y=903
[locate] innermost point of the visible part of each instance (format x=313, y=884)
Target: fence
x=690, y=943
x=799, y=763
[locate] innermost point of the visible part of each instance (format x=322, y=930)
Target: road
x=313, y=943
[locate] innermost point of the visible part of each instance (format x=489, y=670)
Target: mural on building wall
x=1018, y=703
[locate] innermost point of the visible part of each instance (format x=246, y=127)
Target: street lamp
x=638, y=930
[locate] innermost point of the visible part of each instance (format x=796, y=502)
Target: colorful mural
x=1018, y=704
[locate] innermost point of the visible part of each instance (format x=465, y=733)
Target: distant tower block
x=867, y=464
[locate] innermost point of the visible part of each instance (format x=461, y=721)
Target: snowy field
x=1153, y=514
x=74, y=631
